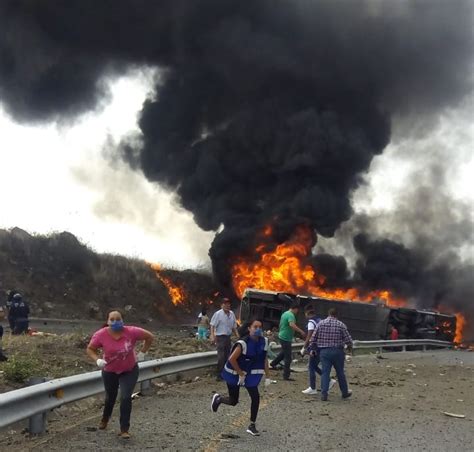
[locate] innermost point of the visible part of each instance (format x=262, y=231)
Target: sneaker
x=310, y=391
x=324, y=397
x=289, y=379
x=253, y=430
x=124, y=435
x=273, y=367
x=216, y=401
x=347, y=395
x=332, y=383
x=103, y=423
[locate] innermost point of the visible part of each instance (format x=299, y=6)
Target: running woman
x=246, y=366
x=119, y=365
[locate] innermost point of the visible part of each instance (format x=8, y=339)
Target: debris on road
x=229, y=436
x=460, y=416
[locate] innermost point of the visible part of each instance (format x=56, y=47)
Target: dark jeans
x=11, y=322
x=223, y=351
x=313, y=369
x=233, y=399
x=332, y=356
x=126, y=381
x=285, y=354
x=20, y=326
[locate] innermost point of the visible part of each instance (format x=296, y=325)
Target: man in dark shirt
x=330, y=336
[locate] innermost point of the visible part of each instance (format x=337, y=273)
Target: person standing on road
x=393, y=333
x=329, y=337
x=313, y=363
x=18, y=313
x=119, y=365
x=203, y=324
x=286, y=333
x=223, y=324
x=245, y=367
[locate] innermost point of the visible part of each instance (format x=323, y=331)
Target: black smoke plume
x=265, y=111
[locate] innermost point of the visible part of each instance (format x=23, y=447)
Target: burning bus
x=365, y=321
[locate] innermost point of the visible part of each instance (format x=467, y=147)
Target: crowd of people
x=244, y=364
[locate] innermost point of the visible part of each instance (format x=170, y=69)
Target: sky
x=59, y=177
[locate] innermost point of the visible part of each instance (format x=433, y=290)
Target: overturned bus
x=365, y=321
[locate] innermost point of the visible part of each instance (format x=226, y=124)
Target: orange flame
x=460, y=324
x=177, y=293
x=283, y=270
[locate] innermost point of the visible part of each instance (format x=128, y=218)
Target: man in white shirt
x=223, y=323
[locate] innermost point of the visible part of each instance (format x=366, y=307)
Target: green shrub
x=19, y=369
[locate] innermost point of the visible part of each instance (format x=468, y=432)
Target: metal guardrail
x=402, y=343
x=35, y=401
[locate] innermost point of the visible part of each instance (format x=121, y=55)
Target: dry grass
x=63, y=278
x=64, y=355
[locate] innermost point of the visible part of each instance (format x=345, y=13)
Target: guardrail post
x=37, y=422
x=424, y=348
x=404, y=348
x=380, y=350
x=145, y=386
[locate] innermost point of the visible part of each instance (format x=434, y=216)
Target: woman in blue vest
x=246, y=366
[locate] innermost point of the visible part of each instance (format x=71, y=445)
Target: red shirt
x=118, y=353
x=394, y=335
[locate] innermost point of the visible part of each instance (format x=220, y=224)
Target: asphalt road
x=398, y=405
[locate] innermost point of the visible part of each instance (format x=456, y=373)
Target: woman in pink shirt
x=119, y=364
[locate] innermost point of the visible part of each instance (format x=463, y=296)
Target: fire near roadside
x=177, y=293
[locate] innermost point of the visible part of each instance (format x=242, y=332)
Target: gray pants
x=223, y=351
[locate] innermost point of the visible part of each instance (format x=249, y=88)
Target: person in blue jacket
x=19, y=312
x=246, y=366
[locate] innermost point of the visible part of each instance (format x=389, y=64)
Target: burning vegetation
x=176, y=292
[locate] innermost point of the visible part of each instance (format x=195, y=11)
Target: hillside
x=63, y=278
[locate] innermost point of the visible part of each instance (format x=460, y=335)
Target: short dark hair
x=225, y=300
x=295, y=304
x=243, y=329
x=310, y=311
x=332, y=312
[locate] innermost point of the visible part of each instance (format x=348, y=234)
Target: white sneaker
x=332, y=383
x=310, y=391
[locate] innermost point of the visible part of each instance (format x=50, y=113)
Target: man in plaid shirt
x=329, y=338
